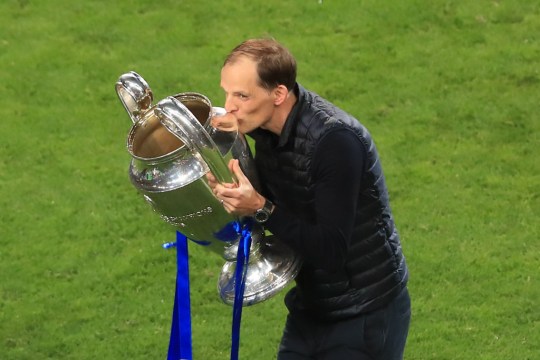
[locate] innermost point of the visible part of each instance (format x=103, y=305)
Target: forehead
x=239, y=75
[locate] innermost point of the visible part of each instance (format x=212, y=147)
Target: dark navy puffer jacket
x=374, y=271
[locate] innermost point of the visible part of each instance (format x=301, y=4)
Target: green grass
x=449, y=90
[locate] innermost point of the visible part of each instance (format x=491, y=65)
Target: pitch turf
x=449, y=90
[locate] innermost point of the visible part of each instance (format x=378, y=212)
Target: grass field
x=449, y=89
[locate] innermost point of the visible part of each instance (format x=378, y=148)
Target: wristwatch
x=262, y=215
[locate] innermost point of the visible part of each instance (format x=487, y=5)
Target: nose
x=230, y=105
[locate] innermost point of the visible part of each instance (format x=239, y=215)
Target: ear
x=280, y=94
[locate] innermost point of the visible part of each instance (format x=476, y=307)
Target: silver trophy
x=173, y=146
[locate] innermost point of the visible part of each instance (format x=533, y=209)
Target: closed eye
x=242, y=96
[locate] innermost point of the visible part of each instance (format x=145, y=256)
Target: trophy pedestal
x=270, y=269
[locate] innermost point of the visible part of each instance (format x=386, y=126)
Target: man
x=323, y=193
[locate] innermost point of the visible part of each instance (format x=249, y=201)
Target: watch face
x=261, y=216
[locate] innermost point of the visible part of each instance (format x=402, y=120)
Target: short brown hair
x=275, y=64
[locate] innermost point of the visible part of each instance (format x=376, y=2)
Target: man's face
x=252, y=105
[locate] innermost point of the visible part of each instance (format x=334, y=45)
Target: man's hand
x=226, y=122
x=239, y=199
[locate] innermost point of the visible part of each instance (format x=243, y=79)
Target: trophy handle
x=182, y=123
x=135, y=94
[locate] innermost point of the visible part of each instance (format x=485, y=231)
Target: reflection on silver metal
x=135, y=94
x=173, y=146
x=182, y=123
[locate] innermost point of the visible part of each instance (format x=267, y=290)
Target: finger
x=224, y=122
x=230, y=165
x=218, y=190
x=211, y=182
x=225, y=205
x=227, y=192
x=237, y=171
x=210, y=176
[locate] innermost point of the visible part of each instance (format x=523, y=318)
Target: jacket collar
x=292, y=118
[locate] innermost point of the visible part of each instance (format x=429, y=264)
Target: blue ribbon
x=180, y=345
x=180, y=339
x=242, y=260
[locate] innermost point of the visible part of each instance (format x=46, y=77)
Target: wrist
x=263, y=213
x=261, y=200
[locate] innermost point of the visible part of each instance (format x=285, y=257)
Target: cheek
x=255, y=110
x=262, y=106
x=248, y=107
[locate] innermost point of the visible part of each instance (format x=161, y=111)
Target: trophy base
x=269, y=271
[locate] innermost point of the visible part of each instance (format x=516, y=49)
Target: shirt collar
x=292, y=118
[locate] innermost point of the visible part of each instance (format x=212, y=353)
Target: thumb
x=237, y=171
